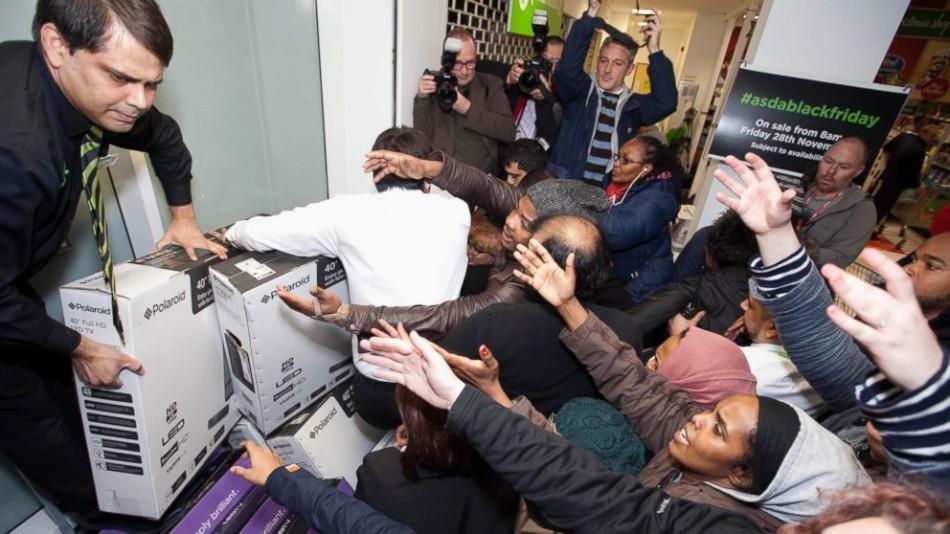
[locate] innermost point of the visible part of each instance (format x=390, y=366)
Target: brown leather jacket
x=655, y=408
x=497, y=198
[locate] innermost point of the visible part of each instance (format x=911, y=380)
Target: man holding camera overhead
x=470, y=127
x=600, y=113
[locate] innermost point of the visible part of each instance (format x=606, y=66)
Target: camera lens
x=447, y=96
x=529, y=80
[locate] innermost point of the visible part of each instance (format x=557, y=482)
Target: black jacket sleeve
x=23, y=318
x=325, y=508
x=572, y=490
x=660, y=307
x=159, y=136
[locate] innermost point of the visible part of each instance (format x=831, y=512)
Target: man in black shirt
x=93, y=68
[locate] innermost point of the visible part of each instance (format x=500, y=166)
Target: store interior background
x=279, y=100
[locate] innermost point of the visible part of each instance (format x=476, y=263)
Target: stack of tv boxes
x=215, y=340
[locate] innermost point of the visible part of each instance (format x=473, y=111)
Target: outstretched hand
x=328, y=301
x=384, y=162
x=263, y=462
x=554, y=284
x=482, y=373
x=416, y=365
x=762, y=204
x=889, y=323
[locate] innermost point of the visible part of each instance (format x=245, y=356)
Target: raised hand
x=384, y=162
x=762, y=204
x=889, y=323
x=652, y=30
x=482, y=373
x=554, y=284
x=415, y=365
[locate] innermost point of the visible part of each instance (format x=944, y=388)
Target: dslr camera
x=534, y=67
x=445, y=81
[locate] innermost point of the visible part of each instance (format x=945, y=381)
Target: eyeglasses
x=468, y=65
x=624, y=160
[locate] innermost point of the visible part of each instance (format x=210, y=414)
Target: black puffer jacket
x=718, y=293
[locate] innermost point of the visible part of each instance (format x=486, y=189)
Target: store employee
x=87, y=81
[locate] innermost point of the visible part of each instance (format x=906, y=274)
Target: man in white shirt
x=400, y=246
x=776, y=376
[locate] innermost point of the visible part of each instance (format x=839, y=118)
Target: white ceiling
x=704, y=6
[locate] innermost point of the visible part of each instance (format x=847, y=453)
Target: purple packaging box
x=266, y=519
x=210, y=511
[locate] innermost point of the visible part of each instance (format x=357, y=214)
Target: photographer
x=600, y=114
x=537, y=113
x=478, y=119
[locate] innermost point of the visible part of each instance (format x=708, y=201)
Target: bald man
x=834, y=218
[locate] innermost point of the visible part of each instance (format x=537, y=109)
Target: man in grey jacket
x=833, y=217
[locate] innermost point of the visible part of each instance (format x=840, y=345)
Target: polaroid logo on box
x=90, y=309
x=159, y=307
x=322, y=424
x=273, y=294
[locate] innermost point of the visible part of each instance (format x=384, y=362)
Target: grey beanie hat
x=564, y=196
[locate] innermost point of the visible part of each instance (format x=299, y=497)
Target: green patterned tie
x=89, y=155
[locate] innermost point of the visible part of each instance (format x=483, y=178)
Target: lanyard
x=808, y=198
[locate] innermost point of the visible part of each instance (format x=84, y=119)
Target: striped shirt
x=598, y=158
x=914, y=424
x=777, y=280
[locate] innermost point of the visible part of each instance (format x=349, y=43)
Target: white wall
x=700, y=66
x=843, y=40
x=357, y=67
x=420, y=29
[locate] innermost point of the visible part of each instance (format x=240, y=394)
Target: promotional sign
x=791, y=122
x=521, y=11
x=925, y=23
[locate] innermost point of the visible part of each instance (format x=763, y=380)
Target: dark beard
x=931, y=305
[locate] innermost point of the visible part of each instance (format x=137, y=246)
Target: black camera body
x=446, y=82
x=534, y=67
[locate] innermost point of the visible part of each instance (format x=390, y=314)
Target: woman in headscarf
x=706, y=365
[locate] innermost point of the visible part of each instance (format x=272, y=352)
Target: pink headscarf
x=709, y=367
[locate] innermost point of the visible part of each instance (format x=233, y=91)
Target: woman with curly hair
x=881, y=507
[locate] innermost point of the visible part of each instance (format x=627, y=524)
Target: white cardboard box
x=148, y=438
x=329, y=439
x=281, y=360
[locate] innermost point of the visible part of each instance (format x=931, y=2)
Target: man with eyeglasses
x=600, y=113
x=479, y=120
